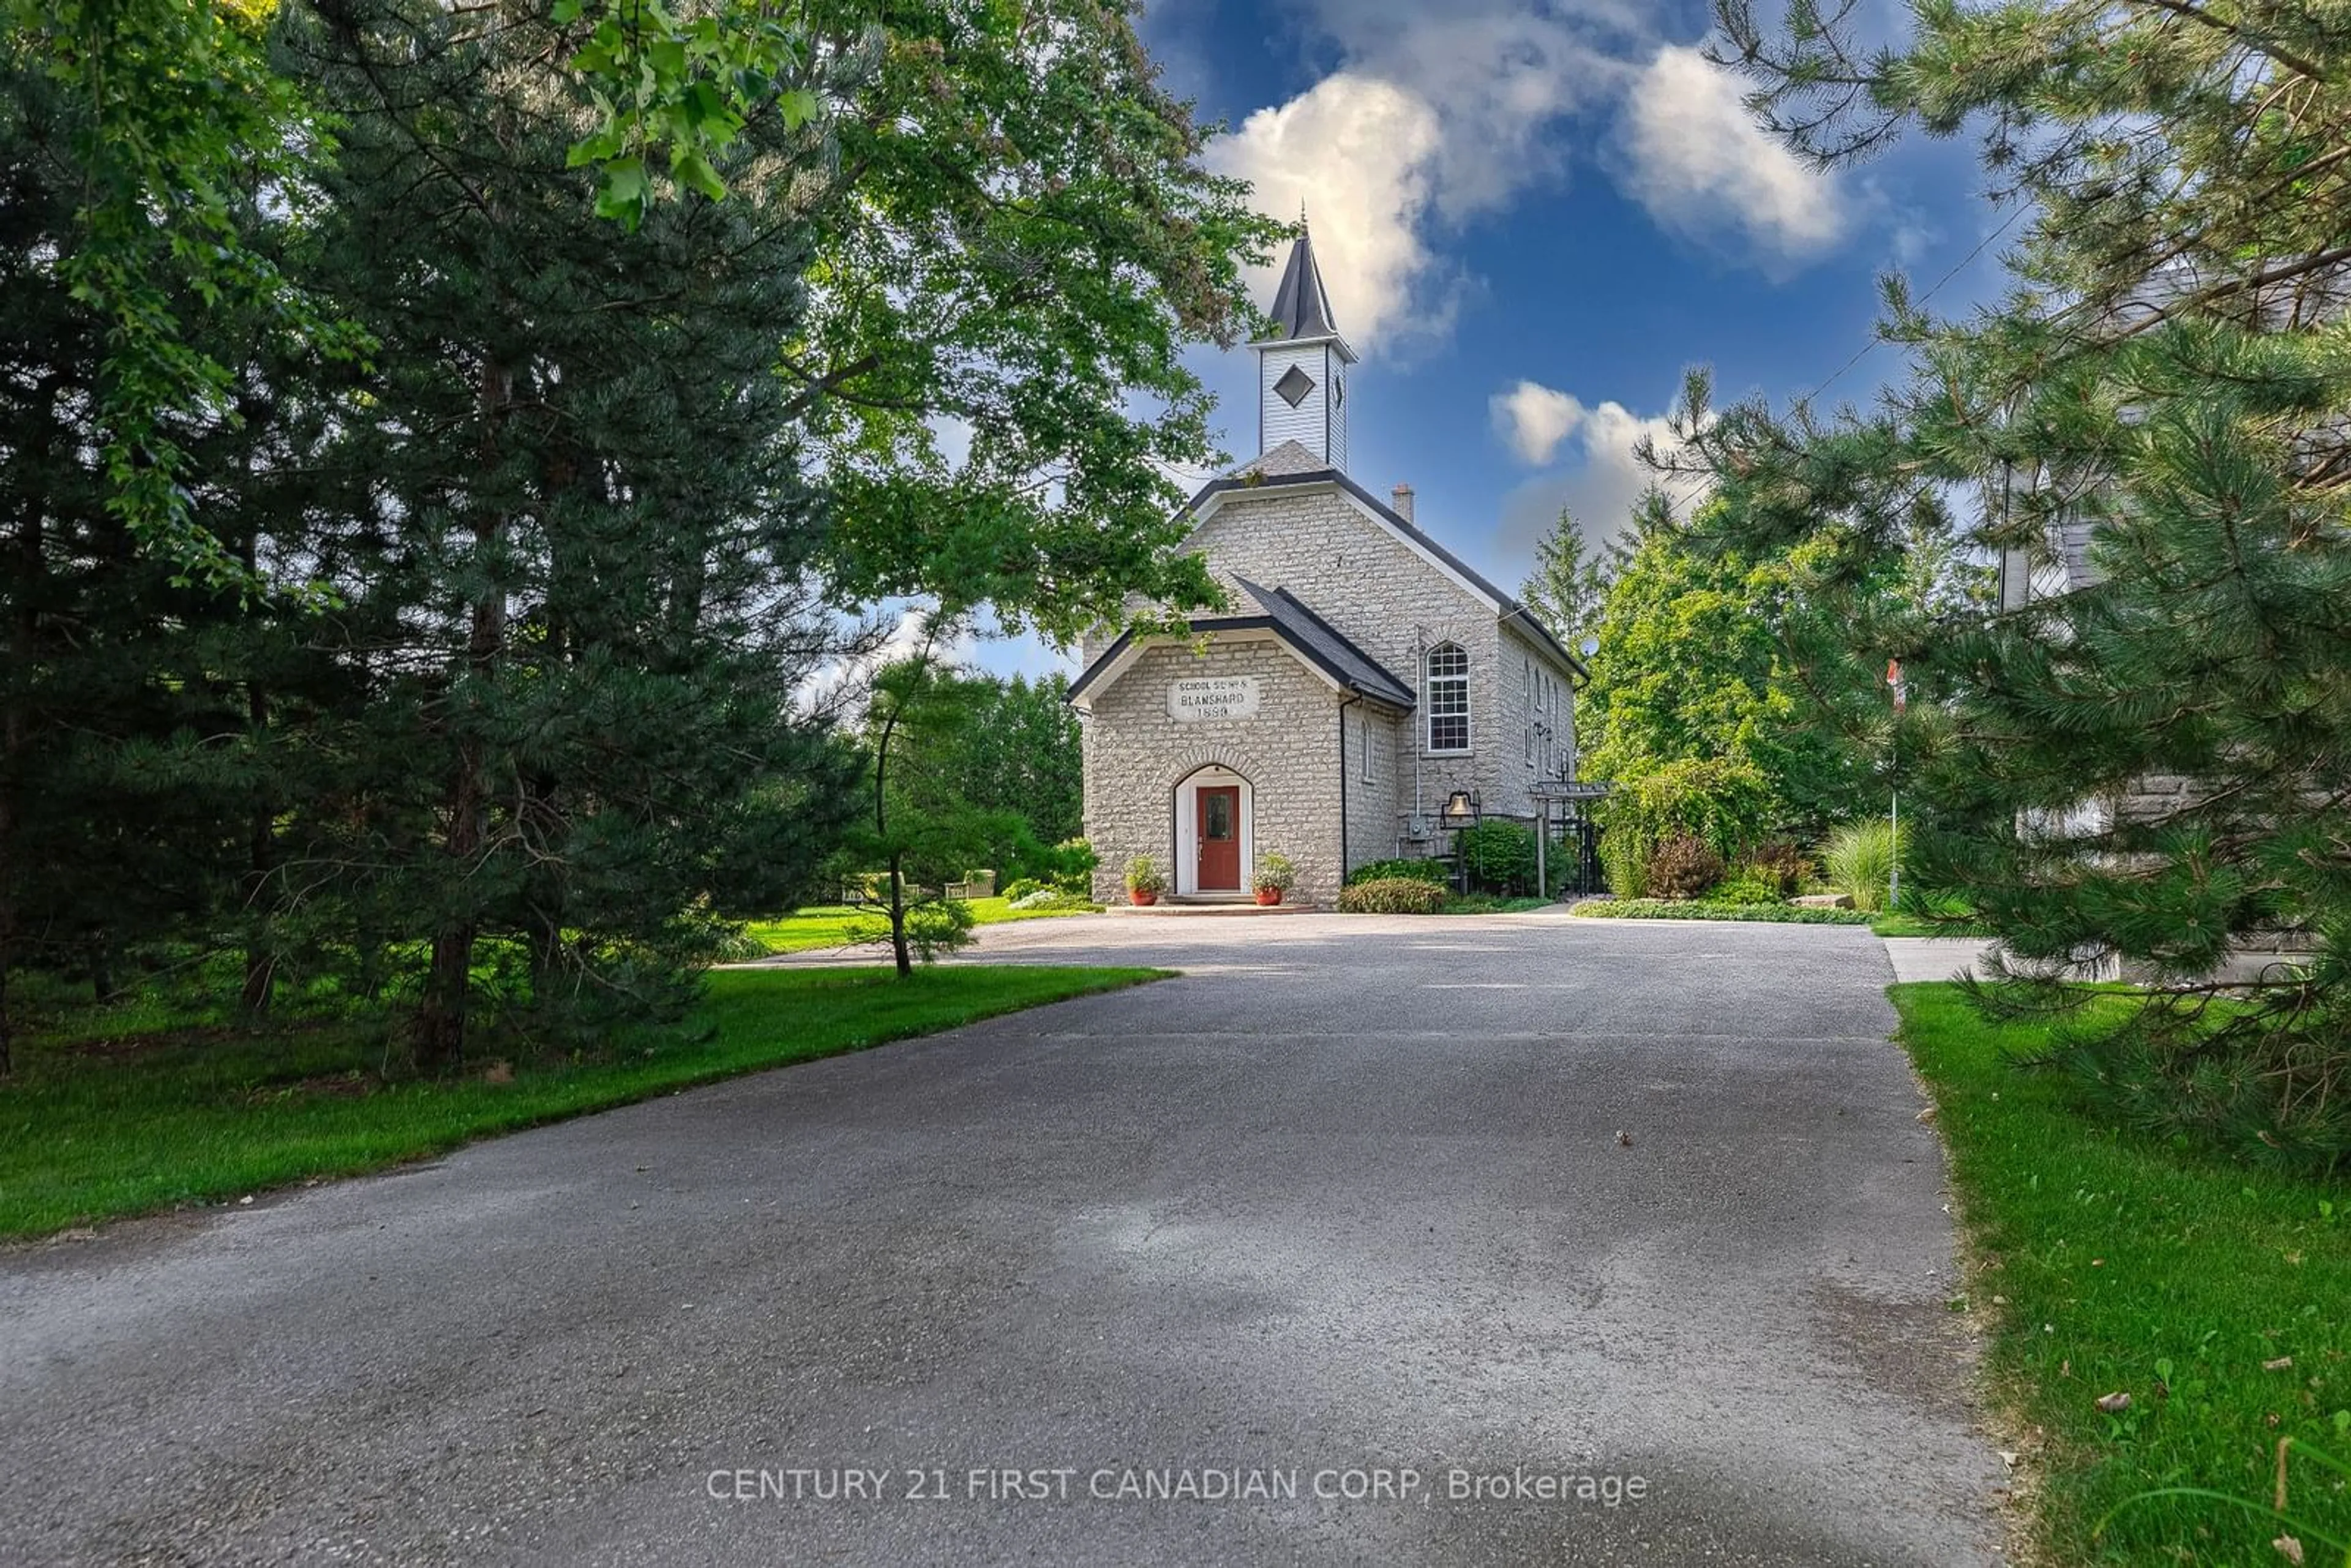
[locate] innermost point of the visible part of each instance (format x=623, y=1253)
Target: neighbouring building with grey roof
x=1361, y=675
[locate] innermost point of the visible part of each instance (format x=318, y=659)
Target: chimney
x=1402, y=496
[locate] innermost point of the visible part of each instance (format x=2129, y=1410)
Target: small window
x=1369, y=766
x=1449, y=698
x=1530, y=746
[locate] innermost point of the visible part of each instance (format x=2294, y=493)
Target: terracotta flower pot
x=1268, y=896
x=1142, y=895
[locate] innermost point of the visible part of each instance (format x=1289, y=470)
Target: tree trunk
x=897, y=857
x=21, y=632
x=448, y=985
x=261, y=856
x=544, y=897
x=898, y=917
x=448, y=988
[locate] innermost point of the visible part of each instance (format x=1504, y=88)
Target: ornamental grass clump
x=1860, y=858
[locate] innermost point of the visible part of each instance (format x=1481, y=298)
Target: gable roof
x=1324, y=645
x=1305, y=633
x=1294, y=464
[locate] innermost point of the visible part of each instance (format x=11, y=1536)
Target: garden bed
x=1695, y=909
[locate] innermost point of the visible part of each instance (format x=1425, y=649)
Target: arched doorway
x=1215, y=832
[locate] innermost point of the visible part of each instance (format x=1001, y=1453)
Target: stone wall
x=1358, y=575
x=1135, y=755
x=1372, y=808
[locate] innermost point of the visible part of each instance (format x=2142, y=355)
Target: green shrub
x=1746, y=885
x=1498, y=857
x=1684, y=867
x=1435, y=872
x=1724, y=803
x=1021, y=887
x=1784, y=864
x=940, y=925
x=1069, y=867
x=1860, y=858
x=1625, y=862
x=1392, y=895
x=740, y=947
x=1658, y=909
x=1051, y=898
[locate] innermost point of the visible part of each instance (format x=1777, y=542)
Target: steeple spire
x=1302, y=362
x=1300, y=308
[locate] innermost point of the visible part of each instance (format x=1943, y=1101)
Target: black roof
x=1322, y=642
x=1300, y=308
x=1510, y=609
x=1314, y=639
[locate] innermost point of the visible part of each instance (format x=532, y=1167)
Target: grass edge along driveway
x=132, y=1127
x=2105, y=1261
x=822, y=925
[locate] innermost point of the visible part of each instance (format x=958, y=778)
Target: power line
x=1924, y=300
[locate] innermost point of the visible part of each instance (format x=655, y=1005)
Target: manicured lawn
x=1900, y=923
x=2218, y=1298
x=96, y=1127
x=837, y=925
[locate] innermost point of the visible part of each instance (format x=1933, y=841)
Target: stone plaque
x=1197, y=697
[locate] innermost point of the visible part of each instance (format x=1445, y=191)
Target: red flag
x=1894, y=679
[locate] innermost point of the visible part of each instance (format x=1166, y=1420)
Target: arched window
x=1449, y=698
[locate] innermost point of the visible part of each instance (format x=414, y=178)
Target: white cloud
x=1433, y=120
x=1437, y=116
x=1534, y=419
x=1601, y=477
x=1357, y=150
x=1699, y=162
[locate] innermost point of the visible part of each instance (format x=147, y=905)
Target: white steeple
x=1301, y=382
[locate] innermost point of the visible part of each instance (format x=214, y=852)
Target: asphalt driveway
x=1302, y=1257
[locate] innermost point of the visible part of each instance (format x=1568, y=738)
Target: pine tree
x=574, y=527
x=2148, y=770
x=510, y=669
x=119, y=821
x=922, y=825
x=1569, y=582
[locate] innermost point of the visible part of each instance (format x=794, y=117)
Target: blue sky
x=1533, y=216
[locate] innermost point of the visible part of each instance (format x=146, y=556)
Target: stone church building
x=1361, y=675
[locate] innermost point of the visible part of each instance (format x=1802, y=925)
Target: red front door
x=1220, y=838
